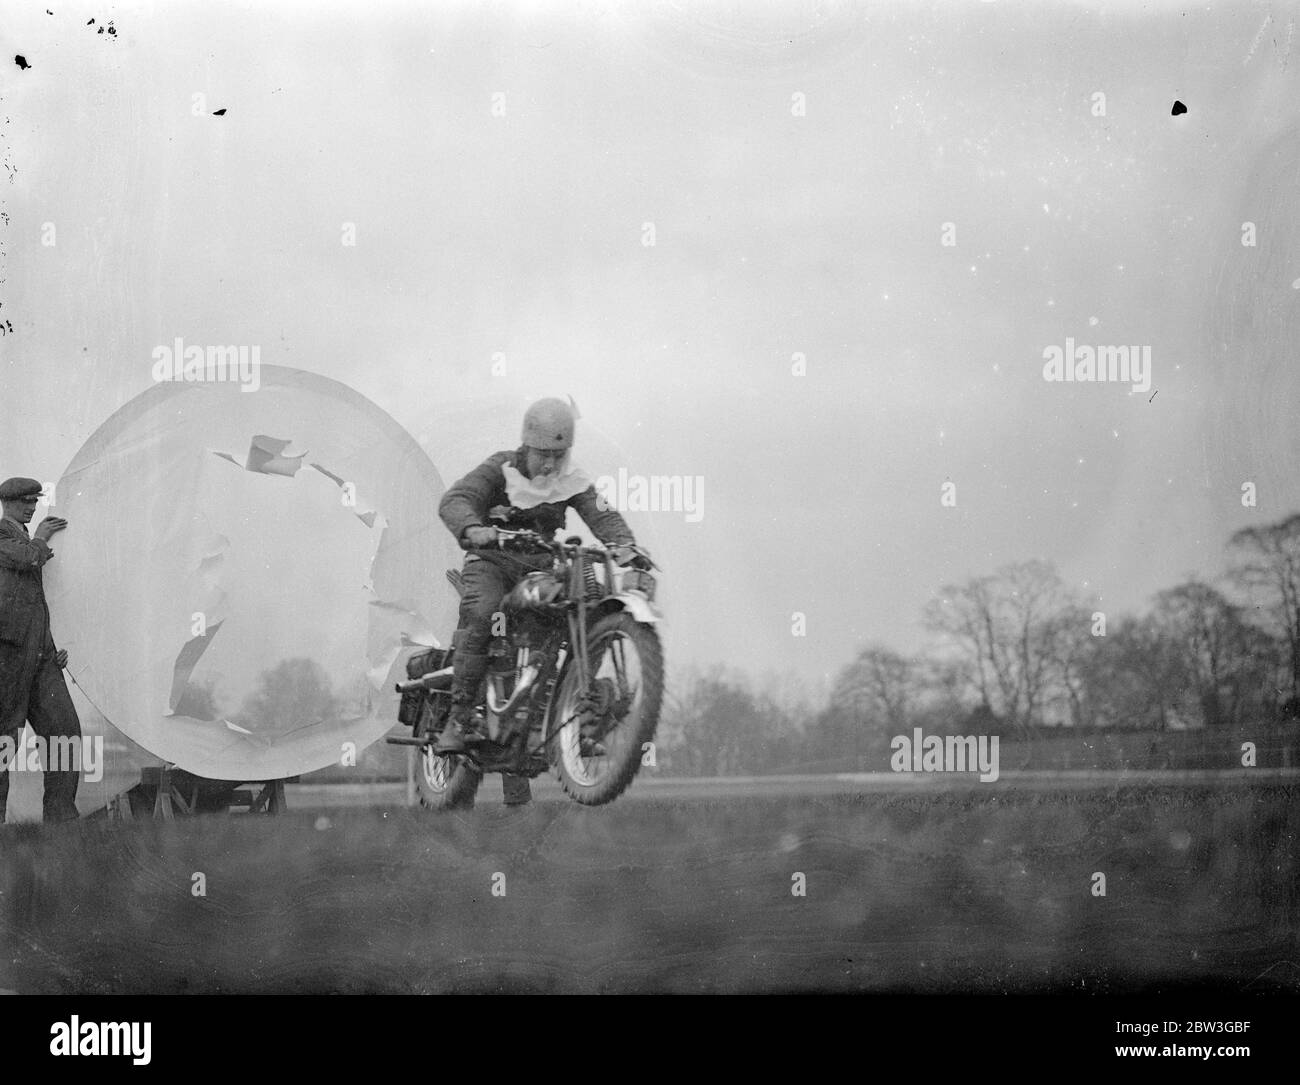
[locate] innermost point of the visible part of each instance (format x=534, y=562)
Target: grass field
x=967, y=890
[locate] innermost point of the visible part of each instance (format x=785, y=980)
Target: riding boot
x=462, y=729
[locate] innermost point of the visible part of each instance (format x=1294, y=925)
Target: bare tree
x=1228, y=663
x=717, y=726
x=1267, y=565
x=1135, y=676
x=879, y=683
x=198, y=701
x=292, y=695
x=1070, y=646
x=1007, y=627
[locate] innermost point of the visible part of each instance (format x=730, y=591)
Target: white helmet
x=548, y=424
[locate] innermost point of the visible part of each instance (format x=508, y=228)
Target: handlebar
x=532, y=542
x=511, y=540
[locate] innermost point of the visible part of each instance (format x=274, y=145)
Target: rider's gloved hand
x=480, y=536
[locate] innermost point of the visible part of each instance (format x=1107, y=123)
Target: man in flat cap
x=32, y=688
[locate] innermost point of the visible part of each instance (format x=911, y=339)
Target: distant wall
x=1276, y=746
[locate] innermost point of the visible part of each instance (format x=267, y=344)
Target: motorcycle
x=575, y=680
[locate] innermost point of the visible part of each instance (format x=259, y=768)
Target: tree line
x=1017, y=651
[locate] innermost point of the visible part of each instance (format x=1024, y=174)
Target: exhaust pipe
x=501, y=706
x=433, y=680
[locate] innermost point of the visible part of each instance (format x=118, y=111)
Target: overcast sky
x=798, y=162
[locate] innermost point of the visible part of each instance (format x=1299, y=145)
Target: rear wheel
x=442, y=781
x=602, y=729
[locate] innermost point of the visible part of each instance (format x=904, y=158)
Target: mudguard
x=635, y=604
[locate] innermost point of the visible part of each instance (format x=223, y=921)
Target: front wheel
x=442, y=782
x=598, y=733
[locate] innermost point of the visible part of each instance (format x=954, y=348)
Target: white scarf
x=526, y=493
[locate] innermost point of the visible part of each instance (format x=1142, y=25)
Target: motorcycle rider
x=529, y=488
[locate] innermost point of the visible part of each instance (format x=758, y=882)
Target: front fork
x=577, y=617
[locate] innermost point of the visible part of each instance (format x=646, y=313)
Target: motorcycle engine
x=533, y=608
x=531, y=628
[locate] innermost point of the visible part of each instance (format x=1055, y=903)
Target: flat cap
x=14, y=488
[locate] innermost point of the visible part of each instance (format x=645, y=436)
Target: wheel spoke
x=626, y=688
x=620, y=665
